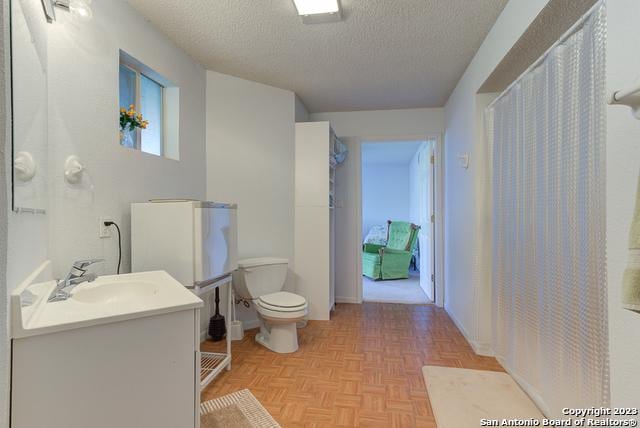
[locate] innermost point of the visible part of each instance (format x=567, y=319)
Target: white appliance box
x=194, y=241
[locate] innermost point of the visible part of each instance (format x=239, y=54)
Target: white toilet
x=261, y=280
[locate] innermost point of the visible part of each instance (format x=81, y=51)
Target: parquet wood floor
x=361, y=369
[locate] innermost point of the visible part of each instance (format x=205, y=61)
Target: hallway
x=405, y=291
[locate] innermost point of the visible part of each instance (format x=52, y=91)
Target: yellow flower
x=123, y=110
x=131, y=106
x=139, y=116
x=130, y=113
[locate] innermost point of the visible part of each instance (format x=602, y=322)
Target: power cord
x=113, y=223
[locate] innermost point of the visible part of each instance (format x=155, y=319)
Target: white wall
x=623, y=166
x=83, y=112
x=466, y=218
x=405, y=123
x=385, y=194
x=250, y=161
x=301, y=112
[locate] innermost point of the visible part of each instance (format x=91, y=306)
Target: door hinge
x=433, y=218
x=433, y=159
x=433, y=278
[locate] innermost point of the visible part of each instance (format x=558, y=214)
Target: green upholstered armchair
x=391, y=261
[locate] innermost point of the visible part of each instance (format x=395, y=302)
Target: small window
x=151, y=124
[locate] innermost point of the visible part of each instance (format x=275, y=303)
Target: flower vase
x=127, y=138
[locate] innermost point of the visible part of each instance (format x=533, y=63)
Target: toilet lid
x=283, y=300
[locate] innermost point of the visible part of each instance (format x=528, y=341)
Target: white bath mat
x=460, y=398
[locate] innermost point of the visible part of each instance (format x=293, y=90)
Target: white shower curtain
x=549, y=274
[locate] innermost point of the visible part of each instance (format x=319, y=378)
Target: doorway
x=397, y=228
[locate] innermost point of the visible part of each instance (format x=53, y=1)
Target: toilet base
x=281, y=338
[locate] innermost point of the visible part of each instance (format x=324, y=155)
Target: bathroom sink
x=108, y=299
x=115, y=292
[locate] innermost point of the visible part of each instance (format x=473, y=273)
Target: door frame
x=438, y=194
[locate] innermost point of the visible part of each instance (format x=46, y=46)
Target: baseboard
x=483, y=348
x=480, y=348
x=348, y=300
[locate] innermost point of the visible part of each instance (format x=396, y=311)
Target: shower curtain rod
x=542, y=57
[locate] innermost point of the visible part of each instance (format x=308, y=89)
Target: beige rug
x=237, y=410
x=460, y=398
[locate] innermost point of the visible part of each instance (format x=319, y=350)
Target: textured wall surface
x=385, y=194
x=83, y=121
x=384, y=54
x=302, y=113
x=250, y=161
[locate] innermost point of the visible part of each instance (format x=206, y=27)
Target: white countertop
x=108, y=299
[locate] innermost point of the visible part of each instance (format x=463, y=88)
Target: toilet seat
x=282, y=305
x=282, y=301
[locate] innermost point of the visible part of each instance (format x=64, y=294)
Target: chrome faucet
x=77, y=275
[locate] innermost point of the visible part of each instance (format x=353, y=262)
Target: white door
x=426, y=234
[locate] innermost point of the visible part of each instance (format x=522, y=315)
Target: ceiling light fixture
x=318, y=11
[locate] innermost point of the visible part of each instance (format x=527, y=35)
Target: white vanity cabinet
x=134, y=368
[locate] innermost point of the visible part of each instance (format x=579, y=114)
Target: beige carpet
x=461, y=397
x=406, y=291
x=237, y=410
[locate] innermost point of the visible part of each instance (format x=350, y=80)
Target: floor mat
x=460, y=398
x=237, y=410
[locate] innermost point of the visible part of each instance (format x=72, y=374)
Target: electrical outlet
x=104, y=231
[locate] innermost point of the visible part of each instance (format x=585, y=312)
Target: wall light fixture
x=78, y=8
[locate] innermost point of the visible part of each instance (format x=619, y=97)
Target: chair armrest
x=372, y=248
x=391, y=251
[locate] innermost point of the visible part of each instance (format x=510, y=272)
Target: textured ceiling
x=394, y=152
x=550, y=24
x=384, y=54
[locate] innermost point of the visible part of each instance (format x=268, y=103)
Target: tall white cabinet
x=315, y=217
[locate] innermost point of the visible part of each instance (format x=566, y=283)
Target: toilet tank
x=259, y=276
